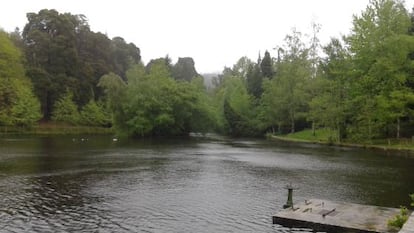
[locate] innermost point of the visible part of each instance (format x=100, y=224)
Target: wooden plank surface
x=328, y=215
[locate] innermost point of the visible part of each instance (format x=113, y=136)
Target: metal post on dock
x=289, y=202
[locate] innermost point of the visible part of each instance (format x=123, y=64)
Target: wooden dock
x=328, y=216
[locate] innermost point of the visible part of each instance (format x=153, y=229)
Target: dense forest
x=359, y=86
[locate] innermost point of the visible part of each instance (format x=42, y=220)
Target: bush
x=65, y=110
x=399, y=220
x=93, y=114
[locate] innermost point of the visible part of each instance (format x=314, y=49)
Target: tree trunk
x=313, y=129
x=369, y=129
x=398, y=128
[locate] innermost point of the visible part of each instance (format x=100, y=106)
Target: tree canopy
x=63, y=53
x=18, y=106
x=360, y=86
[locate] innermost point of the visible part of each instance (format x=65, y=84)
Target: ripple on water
x=202, y=186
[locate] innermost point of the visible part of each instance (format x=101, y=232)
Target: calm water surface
x=196, y=184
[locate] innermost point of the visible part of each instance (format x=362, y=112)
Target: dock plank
x=336, y=216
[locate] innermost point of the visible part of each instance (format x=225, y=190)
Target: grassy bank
x=55, y=129
x=325, y=137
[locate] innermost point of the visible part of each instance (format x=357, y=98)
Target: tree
x=153, y=103
x=286, y=93
x=26, y=110
x=266, y=66
x=50, y=47
x=95, y=60
x=236, y=107
x=242, y=66
x=271, y=111
x=115, y=96
x=381, y=47
x=204, y=115
x=184, y=69
x=18, y=106
x=329, y=106
x=94, y=114
x=62, y=54
x=65, y=110
x=254, y=80
x=124, y=55
x=395, y=107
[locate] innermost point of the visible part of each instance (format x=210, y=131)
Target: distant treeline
x=360, y=86
x=51, y=71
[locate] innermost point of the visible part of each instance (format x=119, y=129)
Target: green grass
x=327, y=136
x=321, y=135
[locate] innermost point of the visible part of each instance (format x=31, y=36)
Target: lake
x=194, y=184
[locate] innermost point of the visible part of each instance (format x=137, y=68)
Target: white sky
x=216, y=33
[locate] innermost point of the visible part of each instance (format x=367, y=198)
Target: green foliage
x=66, y=111
x=236, y=107
x=154, y=104
x=150, y=98
x=285, y=96
x=94, y=114
x=26, y=110
x=196, y=108
x=124, y=55
x=254, y=80
x=381, y=66
x=63, y=53
x=399, y=220
x=10, y=59
x=362, y=90
x=266, y=66
x=329, y=104
x=18, y=106
x=114, y=89
x=184, y=69
x=242, y=66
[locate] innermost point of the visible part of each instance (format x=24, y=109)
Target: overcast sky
x=216, y=33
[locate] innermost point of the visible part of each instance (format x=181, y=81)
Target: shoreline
x=349, y=145
x=55, y=129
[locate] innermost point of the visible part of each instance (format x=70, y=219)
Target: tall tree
x=18, y=106
x=287, y=93
x=381, y=47
x=237, y=108
x=254, y=80
x=50, y=46
x=242, y=66
x=64, y=54
x=329, y=107
x=124, y=55
x=266, y=66
x=184, y=69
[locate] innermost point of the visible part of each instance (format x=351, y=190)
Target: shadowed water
x=196, y=184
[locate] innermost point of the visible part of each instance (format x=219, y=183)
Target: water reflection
x=190, y=185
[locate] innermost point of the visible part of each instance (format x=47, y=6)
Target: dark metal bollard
x=289, y=202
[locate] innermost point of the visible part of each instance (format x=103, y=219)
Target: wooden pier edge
x=294, y=223
x=329, y=216
x=409, y=225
